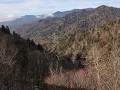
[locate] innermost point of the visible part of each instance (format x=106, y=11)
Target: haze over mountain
x=78, y=20
x=72, y=50
x=27, y=19
x=24, y=20
x=20, y=21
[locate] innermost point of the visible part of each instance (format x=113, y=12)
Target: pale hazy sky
x=10, y=9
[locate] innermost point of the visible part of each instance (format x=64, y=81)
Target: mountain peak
x=103, y=7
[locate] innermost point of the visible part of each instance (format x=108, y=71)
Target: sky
x=11, y=9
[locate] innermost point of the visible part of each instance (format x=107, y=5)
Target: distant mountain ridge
x=21, y=21
x=78, y=51
x=62, y=14
x=27, y=19
x=81, y=20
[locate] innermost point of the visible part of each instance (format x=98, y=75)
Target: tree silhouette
x=16, y=35
x=33, y=43
x=5, y=29
x=40, y=47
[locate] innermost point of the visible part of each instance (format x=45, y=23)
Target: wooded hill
x=23, y=64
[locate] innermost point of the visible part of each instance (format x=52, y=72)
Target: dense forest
x=79, y=51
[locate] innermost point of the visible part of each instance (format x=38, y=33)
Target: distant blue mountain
x=27, y=19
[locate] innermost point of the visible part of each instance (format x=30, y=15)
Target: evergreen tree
x=5, y=29
x=32, y=43
x=40, y=47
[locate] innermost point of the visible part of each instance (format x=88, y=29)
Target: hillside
x=23, y=63
x=28, y=19
x=87, y=60
x=64, y=13
x=95, y=55
x=80, y=51
x=86, y=44
x=80, y=20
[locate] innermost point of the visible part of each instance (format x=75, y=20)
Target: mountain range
x=78, y=20
x=72, y=50
x=27, y=19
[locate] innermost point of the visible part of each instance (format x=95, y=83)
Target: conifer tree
x=40, y=47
